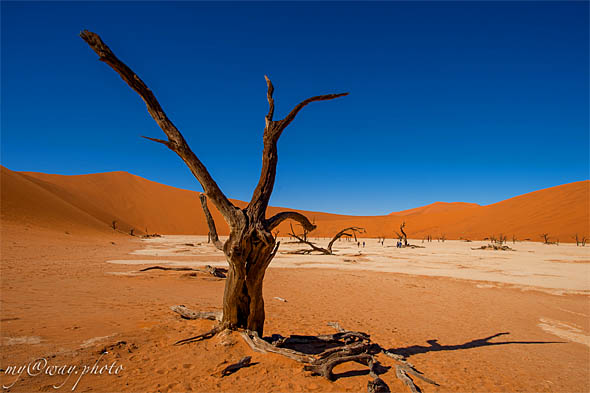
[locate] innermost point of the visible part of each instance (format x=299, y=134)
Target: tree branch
x=176, y=141
x=275, y=220
x=210, y=223
x=272, y=131
x=271, y=101
x=289, y=118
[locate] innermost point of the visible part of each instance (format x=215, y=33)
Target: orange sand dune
x=435, y=207
x=92, y=202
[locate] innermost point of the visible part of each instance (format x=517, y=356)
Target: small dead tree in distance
x=346, y=232
x=251, y=245
x=401, y=228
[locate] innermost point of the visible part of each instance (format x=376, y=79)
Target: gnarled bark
x=251, y=245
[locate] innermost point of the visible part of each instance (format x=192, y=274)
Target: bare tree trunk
x=405, y=237
x=251, y=246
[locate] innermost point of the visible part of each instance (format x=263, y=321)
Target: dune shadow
x=434, y=346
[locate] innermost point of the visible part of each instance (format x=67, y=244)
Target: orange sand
x=61, y=300
x=96, y=200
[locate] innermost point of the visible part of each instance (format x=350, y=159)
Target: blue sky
x=460, y=101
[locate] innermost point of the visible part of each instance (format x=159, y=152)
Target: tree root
x=348, y=346
x=341, y=347
x=187, y=313
x=216, y=329
x=214, y=271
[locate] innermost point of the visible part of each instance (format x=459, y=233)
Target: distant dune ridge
x=89, y=203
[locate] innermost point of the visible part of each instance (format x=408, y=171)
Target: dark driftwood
x=251, y=245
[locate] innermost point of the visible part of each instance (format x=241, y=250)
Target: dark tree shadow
x=434, y=346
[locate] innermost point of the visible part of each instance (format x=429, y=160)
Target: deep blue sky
x=461, y=101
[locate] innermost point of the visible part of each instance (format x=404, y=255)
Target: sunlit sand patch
x=565, y=331
x=28, y=340
x=451, y=259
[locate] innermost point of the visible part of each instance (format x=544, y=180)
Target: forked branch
x=176, y=141
x=272, y=132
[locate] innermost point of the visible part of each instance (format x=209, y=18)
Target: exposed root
x=187, y=313
x=324, y=367
x=377, y=385
x=324, y=352
x=260, y=345
x=216, y=329
x=344, y=346
x=401, y=374
x=214, y=271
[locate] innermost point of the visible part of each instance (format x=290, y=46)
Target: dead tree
x=513, y=239
x=303, y=237
x=401, y=228
x=114, y=225
x=545, y=237
x=251, y=246
x=131, y=231
x=346, y=232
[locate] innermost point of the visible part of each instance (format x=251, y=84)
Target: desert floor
x=472, y=320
